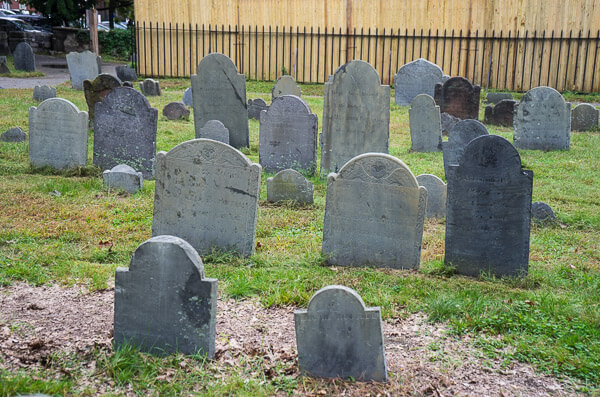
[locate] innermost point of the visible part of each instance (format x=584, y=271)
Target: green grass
x=18, y=73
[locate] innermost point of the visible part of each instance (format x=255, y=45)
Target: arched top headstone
x=465, y=131
x=163, y=249
x=215, y=130
x=216, y=153
x=423, y=100
x=285, y=85
x=337, y=298
x=584, y=117
x=377, y=168
x=95, y=90
x=128, y=101
x=458, y=97
x=24, y=58
x=58, y=105
x=291, y=185
x=288, y=104
x=490, y=154
x=436, y=195
x=429, y=180
x=83, y=65
x=358, y=73
x=415, y=78
x=217, y=61
x=542, y=94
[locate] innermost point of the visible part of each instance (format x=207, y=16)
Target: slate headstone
x=501, y=114
x=187, y=97
x=458, y=97
x=95, y=90
x=14, y=134
x=448, y=122
x=255, y=106
x=436, y=195
x=24, y=58
x=3, y=67
x=215, y=130
x=542, y=212
x=176, y=111
x=285, y=85
x=458, y=139
x=126, y=73
x=289, y=185
x=415, y=78
x=123, y=177
x=150, y=87
x=43, y=92
x=496, y=97
x=83, y=66
x=584, y=117
x=425, y=124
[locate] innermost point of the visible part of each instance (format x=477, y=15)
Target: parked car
x=7, y=13
x=9, y=24
x=37, y=21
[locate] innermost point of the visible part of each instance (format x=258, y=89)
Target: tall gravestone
x=285, y=85
x=584, y=117
x=415, y=78
x=24, y=58
x=219, y=93
x=125, y=131
x=288, y=136
x=83, y=66
x=488, y=210
x=215, y=130
x=163, y=303
x=459, y=137
x=436, y=195
x=542, y=120
x=374, y=214
x=95, y=90
x=58, y=134
x=425, y=124
x=458, y=97
x=501, y=114
x=356, y=115
x=206, y=192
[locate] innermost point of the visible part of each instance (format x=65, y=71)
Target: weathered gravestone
x=95, y=90
x=3, y=67
x=24, y=58
x=542, y=212
x=219, y=93
x=425, y=124
x=126, y=73
x=43, y=92
x=289, y=185
x=356, y=115
x=125, y=131
x=207, y=193
x=255, y=107
x=459, y=137
x=436, y=195
x=374, y=214
x=496, y=97
x=584, y=117
x=187, y=97
x=458, y=97
x=415, y=78
x=215, y=130
x=123, y=177
x=488, y=210
x=285, y=85
x=163, y=302
x=339, y=337
x=448, y=122
x=58, y=134
x=542, y=120
x=150, y=87
x=14, y=134
x=501, y=114
x=83, y=66
x=176, y=111
x=288, y=136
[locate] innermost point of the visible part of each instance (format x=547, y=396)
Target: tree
x=61, y=11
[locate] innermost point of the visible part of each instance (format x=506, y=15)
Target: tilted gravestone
x=187, y=97
x=496, y=97
x=542, y=120
x=58, y=134
x=356, y=115
x=206, y=192
x=501, y=114
x=176, y=111
x=219, y=93
x=43, y=92
x=95, y=90
x=83, y=66
x=125, y=131
x=542, y=212
x=255, y=107
x=374, y=214
x=288, y=136
x=164, y=303
x=150, y=87
x=458, y=97
x=215, y=130
x=126, y=73
x=339, y=337
x=425, y=124
x=584, y=117
x=285, y=85
x=24, y=58
x=14, y=134
x=488, y=210
x=415, y=78
x=436, y=195
x=3, y=67
x=123, y=177
x=459, y=137
x=289, y=185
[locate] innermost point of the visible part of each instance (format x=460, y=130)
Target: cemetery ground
x=62, y=235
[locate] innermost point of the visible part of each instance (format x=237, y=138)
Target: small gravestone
x=3, y=67
x=436, y=195
x=425, y=124
x=125, y=131
x=496, y=97
x=458, y=97
x=542, y=212
x=255, y=106
x=176, y=111
x=542, y=120
x=339, y=337
x=488, y=210
x=126, y=73
x=123, y=177
x=458, y=139
x=215, y=130
x=188, y=100
x=150, y=87
x=24, y=58
x=164, y=303
x=95, y=90
x=285, y=85
x=288, y=136
x=14, y=134
x=58, y=134
x=501, y=114
x=206, y=192
x=448, y=122
x=415, y=78
x=83, y=66
x=219, y=93
x=289, y=185
x=584, y=117
x=127, y=84
x=43, y=92
x=374, y=214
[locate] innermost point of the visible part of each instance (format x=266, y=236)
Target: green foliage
x=116, y=43
x=61, y=11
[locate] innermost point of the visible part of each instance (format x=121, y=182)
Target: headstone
x=206, y=192
x=501, y=114
x=95, y=90
x=288, y=136
x=219, y=93
x=83, y=66
x=176, y=111
x=356, y=115
x=123, y=177
x=164, y=303
x=542, y=120
x=125, y=131
x=374, y=214
x=14, y=134
x=58, y=134
x=289, y=185
x=425, y=124
x=339, y=337
x=488, y=210
x=496, y=97
x=285, y=85
x=3, y=67
x=542, y=212
x=24, y=58
x=187, y=97
x=584, y=117
x=458, y=139
x=150, y=87
x=448, y=122
x=126, y=73
x=436, y=195
x=415, y=78
x=43, y=92
x=255, y=106
x=215, y=130
x=458, y=97
x=127, y=84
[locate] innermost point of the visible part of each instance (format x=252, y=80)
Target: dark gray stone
x=285, y=85
x=176, y=111
x=150, y=87
x=14, y=134
x=436, y=195
x=123, y=177
x=95, y=90
x=43, y=92
x=542, y=212
x=458, y=97
x=215, y=130
x=188, y=98
x=448, y=122
x=289, y=185
x=339, y=337
x=163, y=302
x=24, y=58
x=255, y=106
x=488, y=210
x=459, y=137
x=83, y=66
x=425, y=124
x=127, y=84
x=126, y=73
x=3, y=67
x=496, y=97
x=584, y=117
x=501, y=114
x=415, y=78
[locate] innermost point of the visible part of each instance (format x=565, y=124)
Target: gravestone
x=95, y=90
x=187, y=97
x=255, y=106
x=24, y=58
x=488, y=210
x=3, y=67
x=206, y=192
x=14, y=134
x=496, y=97
x=123, y=177
x=374, y=214
x=339, y=337
x=126, y=73
x=458, y=97
x=356, y=115
x=415, y=78
x=58, y=134
x=219, y=93
x=43, y=92
x=436, y=195
x=289, y=185
x=164, y=303
x=288, y=136
x=150, y=87
x=215, y=130
x=448, y=122
x=83, y=66
x=542, y=212
x=542, y=120
x=125, y=131
x=127, y=84
x=425, y=124
x=285, y=85
x=501, y=114
x=176, y=111
x=584, y=117
x=459, y=137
